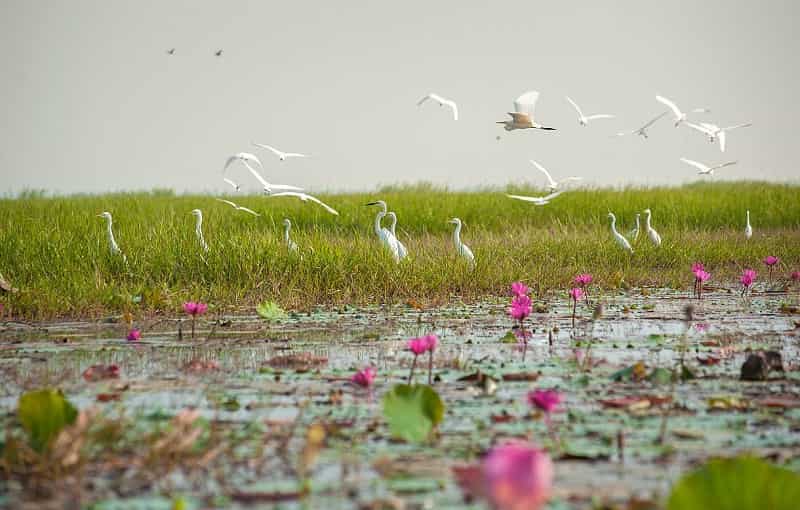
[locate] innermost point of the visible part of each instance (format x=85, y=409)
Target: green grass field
x=55, y=250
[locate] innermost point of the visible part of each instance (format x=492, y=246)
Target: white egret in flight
x=401, y=248
x=651, y=232
x=680, y=117
x=583, y=120
x=537, y=200
x=619, y=238
x=635, y=232
x=287, y=226
x=198, y=228
x=748, y=229
x=112, y=242
x=462, y=249
x=281, y=155
x=247, y=158
x=523, y=115
x=238, y=207
x=642, y=131
x=551, y=184
x=305, y=197
x=232, y=183
x=385, y=236
x=442, y=102
x=705, y=169
x=714, y=132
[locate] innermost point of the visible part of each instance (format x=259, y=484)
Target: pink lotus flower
x=418, y=345
x=697, y=266
x=520, y=308
x=431, y=341
x=134, y=335
x=576, y=294
x=747, y=279
x=519, y=289
x=702, y=275
x=517, y=476
x=545, y=400
x=583, y=279
x=771, y=261
x=195, y=308
x=364, y=377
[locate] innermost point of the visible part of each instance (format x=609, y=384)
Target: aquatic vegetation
x=364, y=377
x=700, y=277
x=747, y=279
x=420, y=346
x=547, y=401
x=43, y=414
x=134, y=335
x=271, y=311
x=583, y=281
x=194, y=309
x=412, y=412
x=517, y=476
x=771, y=261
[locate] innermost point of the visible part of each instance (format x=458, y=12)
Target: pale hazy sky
x=91, y=101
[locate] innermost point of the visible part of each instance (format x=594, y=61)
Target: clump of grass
x=55, y=251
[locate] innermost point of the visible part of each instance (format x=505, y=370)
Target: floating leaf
x=412, y=411
x=43, y=414
x=271, y=311
x=743, y=483
x=660, y=376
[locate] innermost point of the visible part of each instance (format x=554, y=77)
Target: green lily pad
x=271, y=311
x=412, y=411
x=43, y=413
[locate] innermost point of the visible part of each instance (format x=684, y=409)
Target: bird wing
x=552, y=195
x=600, y=116
x=520, y=118
x=701, y=110
x=229, y=161
x=721, y=136
x=737, y=126
x=575, y=105
x=294, y=155
x=698, y=127
x=228, y=202
x=729, y=163
x=271, y=149
x=525, y=199
x=656, y=119
x=256, y=175
x=545, y=172
x=670, y=105
x=246, y=156
x=233, y=184
x=526, y=103
x=245, y=209
x=697, y=165
x=453, y=106
x=425, y=98
x=285, y=187
x=304, y=197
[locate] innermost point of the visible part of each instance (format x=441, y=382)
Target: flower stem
x=430, y=367
x=194, y=318
x=574, y=306
x=411, y=373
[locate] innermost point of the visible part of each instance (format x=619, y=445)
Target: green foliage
x=43, y=413
x=412, y=411
x=271, y=311
x=743, y=483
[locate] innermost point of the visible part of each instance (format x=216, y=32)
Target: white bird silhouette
x=462, y=250
x=232, y=183
x=401, y=248
x=238, y=207
x=621, y=241
x=651, y=232
x=748, y=229
x=705, y=169
x=287, y=226
x=281, y=155
x=385, y=236
x=680, y=116
x=635, y=232
x=537, y=200
x=714, y=132
x=246, y=158
x=523, y=115
x=112, y=242
x=583, y=120
x=642, y=131
x=198, y=228
x=442, y=102
x=552, y=184
x=305, y=197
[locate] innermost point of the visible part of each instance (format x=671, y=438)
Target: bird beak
x=371, y=203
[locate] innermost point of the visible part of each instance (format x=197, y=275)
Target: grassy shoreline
x=55, y=249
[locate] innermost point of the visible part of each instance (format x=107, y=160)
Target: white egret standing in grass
x=748, y=229
x=523, y=115
x=552, y=184
x=198, y=228
x=537, y=200
x=281, y=155
x=385, y=236
x=238, y=207
x=246, y=158
x=680, y=117
x=583, y=120
x=287, y=226
x=462, y=249
x=305, y=197
x=651, y=232
x=619, y=238
x=112, y=242
x=642, y=131
x=635, y=232
x=705, y=169
x=401, y=248
x=442, y=102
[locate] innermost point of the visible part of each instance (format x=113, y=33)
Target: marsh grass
x=55, y=249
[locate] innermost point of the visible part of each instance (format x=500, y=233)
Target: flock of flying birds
x=523, y=117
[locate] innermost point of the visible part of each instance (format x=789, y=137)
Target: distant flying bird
x=218, y=53
x=401, y=248
x=238, y=207
x=462, y=250
x=281, y=155
x=651, y=232
x=714, y=132
x=198, y=229
x=680, y=116
x=233, y=184
x=442, y=102
x=635, y=232
x=619, y=238
x=553, y=185
x=642, y=131
x=523, y=115
x=112, y=242
x=247, y=158
x=287, y=226
x=537, y=200
x=6, y=287
x=748, y=229
x=171, y=51
x=305, y=197
x=705, y=169
x=385, y=236
x=583, y=120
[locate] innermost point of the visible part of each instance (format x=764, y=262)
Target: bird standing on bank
x=385, y=236
x=748, y=229
x=635, y=232
x=112, y=242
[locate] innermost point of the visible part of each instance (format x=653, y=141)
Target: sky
x=93, y=103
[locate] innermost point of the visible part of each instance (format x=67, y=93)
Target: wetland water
x=246, y=376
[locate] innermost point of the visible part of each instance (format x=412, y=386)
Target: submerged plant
x=194, y=310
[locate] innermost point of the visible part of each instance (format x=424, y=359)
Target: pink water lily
x=364, y=377
x=771, y=261
x=796, y=276
x=134, y=335
x=583, y=279
x=517, y=476
x=698, y=266
x=747, y=279
x=519, y=289
x=195, y=308
x=418, y=346
x=700, y=276
x=431, y=341
x=521, y=308
x=545, y=400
